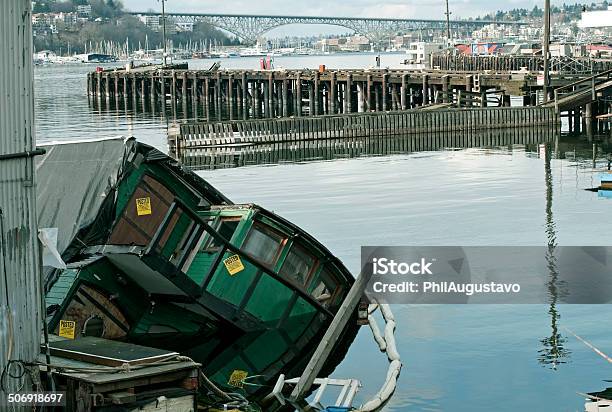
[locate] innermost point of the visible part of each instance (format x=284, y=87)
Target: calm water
x=461, y=358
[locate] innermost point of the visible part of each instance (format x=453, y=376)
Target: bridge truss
x=250, y=27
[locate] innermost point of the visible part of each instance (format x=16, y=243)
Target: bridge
x=249, y=27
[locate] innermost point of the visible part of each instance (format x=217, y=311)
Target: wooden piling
x=425, y=89
x=403, y=92
x=348, y=94
x=245, y=100
x=333, y=93
x=384, y=86
x=316, y=92
x=285, y=97
x=298, y=93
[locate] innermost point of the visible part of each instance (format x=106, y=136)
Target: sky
x=344, y=8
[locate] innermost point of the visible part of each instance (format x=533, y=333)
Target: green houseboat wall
x=263, y=319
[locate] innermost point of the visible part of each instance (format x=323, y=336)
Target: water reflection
x=332, y=149
x=553, y=352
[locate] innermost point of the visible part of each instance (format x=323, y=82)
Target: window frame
x=326, y=269
x=312, y=270
x=265, y=228
x=217, y=221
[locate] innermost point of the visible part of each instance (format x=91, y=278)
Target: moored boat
x=605, y=186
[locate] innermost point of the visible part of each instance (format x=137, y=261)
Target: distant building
x=153, y=22
x=403, y=42
x=596, y=18
x=184, y=26
x=599, y=50
x=495, y=32
x=419, y=52
x=45, y=56
x=69, y=19
x=344, y=44
x=561, y=50
x=326, y=46
x=84, y=11
x=40, y=20
x=357, y=43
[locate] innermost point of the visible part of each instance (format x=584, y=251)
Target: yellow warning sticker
x=237, y=378
x=67, y=328
x=143, y=206
x=233, y=264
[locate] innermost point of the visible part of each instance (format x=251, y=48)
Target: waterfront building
x=420, y=51
x=596, y=18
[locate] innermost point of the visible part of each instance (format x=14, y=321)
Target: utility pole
x=448, y=33
x=545, y=48
x=164, y=30
x=20, y=288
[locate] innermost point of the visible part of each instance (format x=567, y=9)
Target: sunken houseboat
x=157, y=256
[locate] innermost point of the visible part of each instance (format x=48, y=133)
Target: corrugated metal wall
x=17, y=190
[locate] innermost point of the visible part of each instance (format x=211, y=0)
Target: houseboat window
x=263, y=244
x=178, y=238
x=324, y=288
x=226, y=228
x=298, y=264
x=184, y=245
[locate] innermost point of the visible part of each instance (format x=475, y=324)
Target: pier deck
x=280, y=93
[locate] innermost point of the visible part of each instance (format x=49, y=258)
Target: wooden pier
x=218, y=95
x=294, y=129
x=497, y=63
x=244, y=94
x=219, y=157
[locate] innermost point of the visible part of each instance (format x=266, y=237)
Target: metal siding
x=17, y=190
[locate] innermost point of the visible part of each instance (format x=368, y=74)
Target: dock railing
x=581, y=86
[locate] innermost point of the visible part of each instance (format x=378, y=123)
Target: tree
x=106, y=9
x=63, y=7
x=536, y=12
x=41, y=7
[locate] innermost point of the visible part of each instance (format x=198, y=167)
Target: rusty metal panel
x=20, y=326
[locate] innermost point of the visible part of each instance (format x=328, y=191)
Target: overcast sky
x=344, y=8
